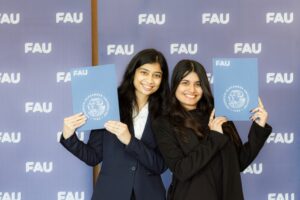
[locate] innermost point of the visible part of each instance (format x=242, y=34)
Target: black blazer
x=194, y=164
x=137, y=166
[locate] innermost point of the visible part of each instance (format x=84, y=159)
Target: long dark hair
x=181, y=118
x=126, y=90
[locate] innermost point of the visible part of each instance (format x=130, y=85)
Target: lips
x=147, y=88
x=190, y=96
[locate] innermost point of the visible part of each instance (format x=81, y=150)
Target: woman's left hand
x=120, y=130
x=215, y=123
x=260, y=115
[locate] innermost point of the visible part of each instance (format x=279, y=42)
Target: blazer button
x=133, y=168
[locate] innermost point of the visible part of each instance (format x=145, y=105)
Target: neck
x=141, y=101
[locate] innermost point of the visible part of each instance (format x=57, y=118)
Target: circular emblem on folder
x=95, y=106
x=236, y=98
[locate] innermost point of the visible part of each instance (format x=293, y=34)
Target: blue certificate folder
x=94, y=92
x=235, y=87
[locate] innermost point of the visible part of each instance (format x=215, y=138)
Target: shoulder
x=229, y=127
x=162, y=125
x=161, y=121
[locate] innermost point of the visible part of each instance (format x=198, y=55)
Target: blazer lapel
x=148, y=136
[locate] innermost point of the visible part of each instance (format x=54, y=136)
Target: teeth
x=147, y=87
x=190, y=96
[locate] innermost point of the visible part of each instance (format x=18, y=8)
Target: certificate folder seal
x=94, y=93
x=235, y=87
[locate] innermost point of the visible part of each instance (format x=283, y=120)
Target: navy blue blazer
x=137, y=166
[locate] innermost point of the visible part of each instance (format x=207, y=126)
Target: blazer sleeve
x=185, y=166
x=150, y=158
x=91, y=152
x=256, y=139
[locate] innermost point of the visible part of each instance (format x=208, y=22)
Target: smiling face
x=189, y=91
x=147, y=79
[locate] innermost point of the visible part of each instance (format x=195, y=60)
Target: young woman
x=204, y=153
x=131, y=162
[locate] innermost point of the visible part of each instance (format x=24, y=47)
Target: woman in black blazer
x=131, y=162
x=204, y=153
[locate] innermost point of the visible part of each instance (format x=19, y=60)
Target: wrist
x=128, y=140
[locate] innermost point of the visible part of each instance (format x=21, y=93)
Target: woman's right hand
x=71, y=123
x=215, y=123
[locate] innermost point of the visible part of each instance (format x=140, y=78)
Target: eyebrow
x=149, y=70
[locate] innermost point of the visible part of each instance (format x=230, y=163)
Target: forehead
x=192, y=76
x=151, y=67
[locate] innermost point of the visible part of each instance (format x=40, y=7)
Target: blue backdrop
x=40, y=41
x=203, y=30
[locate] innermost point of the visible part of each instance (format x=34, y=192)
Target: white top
x=139, y=121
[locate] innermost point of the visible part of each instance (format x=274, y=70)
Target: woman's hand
x=215, y=123
x=120, y=130
x=259, y=114
x=71, y=123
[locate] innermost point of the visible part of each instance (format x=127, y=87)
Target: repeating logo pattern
x=36, y=94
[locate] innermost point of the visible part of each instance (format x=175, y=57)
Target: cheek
x=135, y=81
x=177, y=93
x=159, y=82
x=200, y=94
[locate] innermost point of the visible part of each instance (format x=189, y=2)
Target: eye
x=184, y=83
x=198, y=84
x=144, y=72
x=157, y=75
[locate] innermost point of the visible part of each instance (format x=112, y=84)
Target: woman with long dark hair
x=204, y=152
x=131, y=163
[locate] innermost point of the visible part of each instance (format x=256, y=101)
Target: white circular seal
x=95, y=106
x=236, y=98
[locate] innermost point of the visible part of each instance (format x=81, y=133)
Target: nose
x=150, y=79
x=192, y=88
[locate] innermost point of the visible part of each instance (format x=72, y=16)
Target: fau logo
x=254, y=169
x=286, y=78
x=253, y=48
x=281, y=196
x=73, y=18
x=191, y=49
x=83, y=72
x=63, y=77
x=10, y=78
x=70, y=195
x=224, y=63
x=12, y=18
x=80, y=135
x=10, y=195
x=45, y=167
x=38, y=107
x=118, y=49
x=36, y=47
x=283, y=138
x=158, y=19
x=284, y=18
x=215, y=18
x=13, y=137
